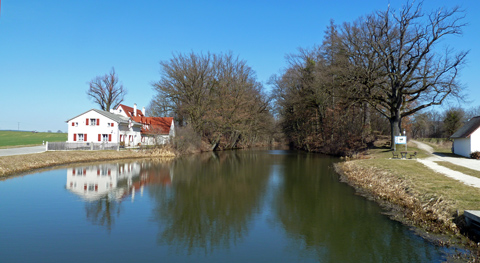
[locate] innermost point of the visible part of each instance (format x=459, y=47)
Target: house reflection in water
x=115, y=181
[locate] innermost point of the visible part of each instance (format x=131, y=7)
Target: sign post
x=400, y=140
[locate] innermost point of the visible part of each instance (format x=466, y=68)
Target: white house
x=99, y=126
x=467, y=139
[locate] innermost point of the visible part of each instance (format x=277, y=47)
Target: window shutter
x=73, y=172
x=109, y=137
x=99, y=137
x=73, y=123
x=98, y=122
x=85, y=137
x=86, y=122
x=74, y=137
x=112, y=124
x=98, y=172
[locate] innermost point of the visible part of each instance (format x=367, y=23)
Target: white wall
x=130, y=135
x=461, y=146
x=92, y=131
x=475, y=141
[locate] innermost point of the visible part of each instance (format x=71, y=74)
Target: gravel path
x=465, y=162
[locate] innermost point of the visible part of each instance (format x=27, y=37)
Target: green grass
x=425, y=180
x=18, y=138
x=459, y=168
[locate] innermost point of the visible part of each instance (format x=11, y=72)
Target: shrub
x=186, y=140
x=475, y=155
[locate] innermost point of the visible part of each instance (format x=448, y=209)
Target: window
x=80, y=137
x=93, y=122
x=105, y=137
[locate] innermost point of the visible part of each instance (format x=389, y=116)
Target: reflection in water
x=211, y=200
x=111, y=181
x=105, y=186
x=320, y=216
x=208, y=204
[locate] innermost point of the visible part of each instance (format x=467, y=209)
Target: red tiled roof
x=154, y=125
x=129, y=111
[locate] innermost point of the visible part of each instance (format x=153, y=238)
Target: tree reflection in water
x=211, y=200
x=103, y=212
x=321, y=217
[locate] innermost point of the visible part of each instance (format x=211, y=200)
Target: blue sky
x=50, y=49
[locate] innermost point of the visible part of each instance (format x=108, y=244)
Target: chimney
x=135, y=109
x=143, y=111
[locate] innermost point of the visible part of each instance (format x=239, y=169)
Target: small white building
x=99, y=126
x=467, y=139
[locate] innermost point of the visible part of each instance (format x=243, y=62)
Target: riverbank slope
x=414, y=194
x=11, y=165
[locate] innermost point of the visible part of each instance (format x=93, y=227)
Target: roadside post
x=400, y=140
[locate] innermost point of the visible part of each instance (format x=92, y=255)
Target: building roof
x=129, y=111
x=114, y=117
x=155, y=125
x=466, y=130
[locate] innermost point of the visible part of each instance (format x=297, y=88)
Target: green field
x=19, y=138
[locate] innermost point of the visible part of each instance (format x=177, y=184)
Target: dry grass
x=431, y=211
x=415, y=194
x=10, y=165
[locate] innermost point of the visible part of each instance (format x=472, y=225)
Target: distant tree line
x=434, y=124
x=386, y=65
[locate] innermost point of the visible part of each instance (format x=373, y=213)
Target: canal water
x=237, y=206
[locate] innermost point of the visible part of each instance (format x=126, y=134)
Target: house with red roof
x=155, y=130
x=467, y=139
x=124, y=124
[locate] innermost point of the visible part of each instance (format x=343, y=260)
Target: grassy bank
x=11, y=165
x=413, y=193
x=19, y=138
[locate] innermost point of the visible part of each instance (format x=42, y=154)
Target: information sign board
x=400, y=139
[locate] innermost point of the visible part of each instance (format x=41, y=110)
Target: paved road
x=469, y=163
x=462, y=161
x=22, y=150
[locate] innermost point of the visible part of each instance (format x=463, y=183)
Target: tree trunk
x=395, y=123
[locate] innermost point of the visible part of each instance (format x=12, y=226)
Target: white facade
x=466, y=146
x=103, y=127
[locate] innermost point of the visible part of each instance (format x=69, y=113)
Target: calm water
x=243, y=206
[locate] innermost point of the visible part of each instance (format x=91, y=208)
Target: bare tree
x=106, y=91
x=217, y=95
x=394, y=62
